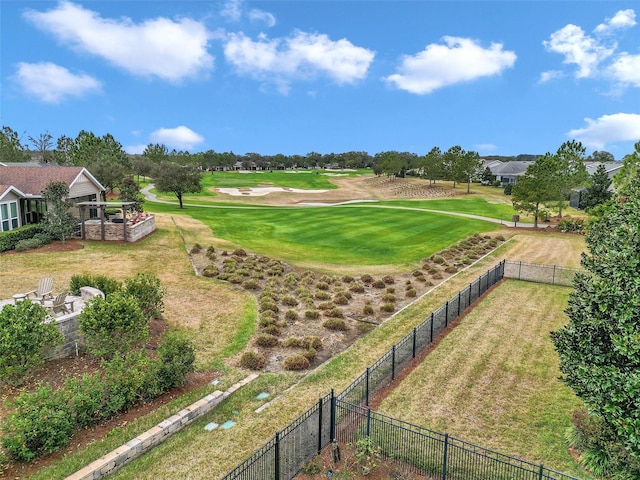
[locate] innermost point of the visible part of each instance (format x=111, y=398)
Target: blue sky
x=293, y=77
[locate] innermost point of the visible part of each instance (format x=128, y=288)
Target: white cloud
x=302, y=55
x=550, y=75
x=579, y=49
x=180, y=137
x=622, y=19
x=261, y=16
x=458, y=60
x=135, y=149
x=486, y=147
x=626, y=69
x=608, y=129
x=52, y=83
x=160, y=47
x=232, y=10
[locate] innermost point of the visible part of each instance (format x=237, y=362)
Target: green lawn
x=471, y=205
x=338, y=235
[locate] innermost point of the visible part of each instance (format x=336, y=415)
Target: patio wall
x=115, y=231
x=68, y=325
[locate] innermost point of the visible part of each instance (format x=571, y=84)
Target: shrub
x=313, y=342
x=366, y=279
x=435, y=276
x=266, y=341
x=322, y=286
x=257, y=274
x=378, y=284
x=312, y=314
x=387, y=307
x=508, y=188
x=268, y=305
x=325, y=306
x=25, y=336
x=500, y=238
x=149, y=293
x=40, y=423
x=410, y=293
x=348, y=279
x=253, y=360
x=291, y=315
x=211, y=249
x=30, y=244
x=87, y=397
x=340, y=299
x=389, y=298
x=438, y=259
x=335, y=324
x=310, y=354
x=270, y=314
x=296, y=362
x=196, y=248
x=211, y=271
x=114, y=325
x=251, y=285
x=294, y=342
x=334, y=312
x=272, y=329
x=235, y=279
x=103, y=283
x=367, y=309
x=175, y=358
x=289, y=301
x=9, y=240
x=356, y=287
x=451, y=269
x=239, y=252
x=388, y=279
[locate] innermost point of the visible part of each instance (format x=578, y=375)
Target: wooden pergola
x=101, y=207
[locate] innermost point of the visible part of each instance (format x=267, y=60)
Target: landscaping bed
x=306, y=317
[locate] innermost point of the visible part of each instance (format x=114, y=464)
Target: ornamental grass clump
x=336, y=324
x=296, y=362
x=266, y=340
x=253, y=360
x=311, y=314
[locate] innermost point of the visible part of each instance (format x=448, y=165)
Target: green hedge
x=9, y=240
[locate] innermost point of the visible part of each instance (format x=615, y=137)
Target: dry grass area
x=210, y=311
x=490, y=380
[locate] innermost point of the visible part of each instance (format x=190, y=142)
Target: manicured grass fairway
x=338, y=235
x=471, y=205
x=494, y=381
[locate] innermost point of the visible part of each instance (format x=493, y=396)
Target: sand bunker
x=262, y=191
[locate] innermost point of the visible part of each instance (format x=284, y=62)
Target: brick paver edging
x=144, y=442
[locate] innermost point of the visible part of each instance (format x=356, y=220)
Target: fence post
x=319, y=425
x=444, y=460
x=277, y=457
x=393, y=362
x=367, y=389
x=446, y=314
x=459, y=296
x=553, y=279
x=332, y=431
x=415, y=334
x=431, y=341
x=519, y=270
x=469, y=297
x=541, y=474
x=368, y=422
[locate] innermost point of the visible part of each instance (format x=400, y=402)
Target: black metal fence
x=431, y=454
x=539, y=273
x=345, y=417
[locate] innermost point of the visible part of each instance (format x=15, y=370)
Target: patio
x=126, y=225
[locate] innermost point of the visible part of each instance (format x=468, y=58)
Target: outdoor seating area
x=60, y=305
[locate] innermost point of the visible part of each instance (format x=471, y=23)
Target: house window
x=9, y=216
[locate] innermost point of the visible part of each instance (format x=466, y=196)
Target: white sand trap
x=262, y=191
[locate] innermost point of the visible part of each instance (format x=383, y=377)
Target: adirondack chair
x=61, y=305
x=43, y=292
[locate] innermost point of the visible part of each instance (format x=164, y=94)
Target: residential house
x=508, y=172
x=21, y=187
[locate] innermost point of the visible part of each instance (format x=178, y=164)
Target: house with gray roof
x=508, y=172
x=21, y=187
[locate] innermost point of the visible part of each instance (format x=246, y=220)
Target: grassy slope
x=494, y=380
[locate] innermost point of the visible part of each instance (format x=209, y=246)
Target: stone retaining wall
x=115, y=231
x=144, y=442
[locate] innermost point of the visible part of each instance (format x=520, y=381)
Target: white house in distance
x=21, y=187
